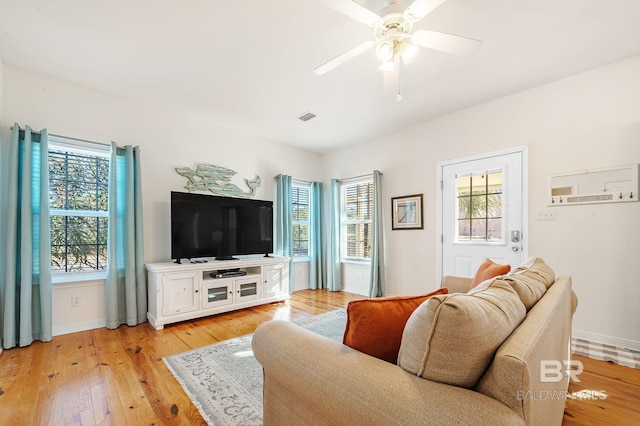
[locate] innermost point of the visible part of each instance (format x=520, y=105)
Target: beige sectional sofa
x=447, y=378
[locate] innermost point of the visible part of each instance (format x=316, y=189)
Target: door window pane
x=479, y=209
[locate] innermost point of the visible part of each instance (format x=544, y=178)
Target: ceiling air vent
x=306, y=116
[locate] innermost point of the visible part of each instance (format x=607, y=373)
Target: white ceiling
x=247, y=64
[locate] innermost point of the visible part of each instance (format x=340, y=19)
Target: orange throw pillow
x=375, y=326
x=489, y=269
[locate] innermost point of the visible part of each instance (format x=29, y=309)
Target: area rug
x=224, y=380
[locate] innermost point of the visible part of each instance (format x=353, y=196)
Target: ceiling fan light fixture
x=408, y=52
x=385, y=51
x=387, y=66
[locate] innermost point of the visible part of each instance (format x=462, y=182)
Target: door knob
x=515, y=248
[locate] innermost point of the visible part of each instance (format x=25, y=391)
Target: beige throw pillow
x=529, y=290
x=452, y=339
x=535, y=268
x=531, y=280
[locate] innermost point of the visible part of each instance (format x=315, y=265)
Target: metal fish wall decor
x=216, y=179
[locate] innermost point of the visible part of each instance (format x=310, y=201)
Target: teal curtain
x=334, y=267
x=283, y=243
x=377, y=283
x=25, y=290
x=316, y=249
x=126, y=288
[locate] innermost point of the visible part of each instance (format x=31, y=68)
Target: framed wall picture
x=406, y=212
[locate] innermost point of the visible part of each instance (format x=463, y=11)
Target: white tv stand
x=179, y=292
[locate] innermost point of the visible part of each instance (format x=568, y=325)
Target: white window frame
x=307, y=185
x=346, y=183
x=76, y=146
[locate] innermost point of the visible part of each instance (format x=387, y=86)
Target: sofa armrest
x=456, y=284
x=310, y=379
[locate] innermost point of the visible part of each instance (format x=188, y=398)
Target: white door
x=483, y=211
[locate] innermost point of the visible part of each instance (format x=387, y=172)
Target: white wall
x=168, y=139
x=300, y=275
x=586, y=121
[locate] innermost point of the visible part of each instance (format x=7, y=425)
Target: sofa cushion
x=531, y=280
x=452, y=338
x=374, y=326
x=529, y=289
x=536, y=268
x=489, y=269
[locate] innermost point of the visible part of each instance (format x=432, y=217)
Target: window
x=78, y=200
x=479, y=199
x=356, y=220
x=300, y=219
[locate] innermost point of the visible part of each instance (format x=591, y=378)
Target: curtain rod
x=67, y=137
x=294, y=180
x=359, y=177
x=362, y=176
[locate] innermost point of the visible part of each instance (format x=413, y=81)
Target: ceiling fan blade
x=449, y=43
x=349, y=54
x=354, y=10
x=420, y=8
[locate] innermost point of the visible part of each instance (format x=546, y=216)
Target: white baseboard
x=607, y=340
x=297, y=287
x=83, y=326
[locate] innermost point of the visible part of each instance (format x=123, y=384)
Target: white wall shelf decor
x=606, y=185
x=180, y=292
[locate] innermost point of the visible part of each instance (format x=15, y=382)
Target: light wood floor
x=117, y=377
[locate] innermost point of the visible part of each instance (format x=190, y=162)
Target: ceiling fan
x=392, y=22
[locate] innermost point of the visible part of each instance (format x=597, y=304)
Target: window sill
x=356, y=261
x=300, y=259
x=78, y=277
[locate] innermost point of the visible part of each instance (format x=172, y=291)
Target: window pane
x=478, y=229
x=464, y=230
x=463, y=207
x=77, y=181
x=359, y=240
x=358, y=201
x=494, y=229
x=479, y=207
x=300, y=218
x=300, y=239
x=78, y=243
x=357, y=204
x=300, y=203
x=494, y=206
x=495, y=182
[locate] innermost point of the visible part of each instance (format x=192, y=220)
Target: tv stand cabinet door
x=218, y=292
x=276, y=281
x=247, y=289
x=180, y=292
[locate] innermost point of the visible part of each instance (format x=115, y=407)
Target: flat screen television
x=219, y=227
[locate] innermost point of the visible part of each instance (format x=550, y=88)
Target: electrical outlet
x=76, y=301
